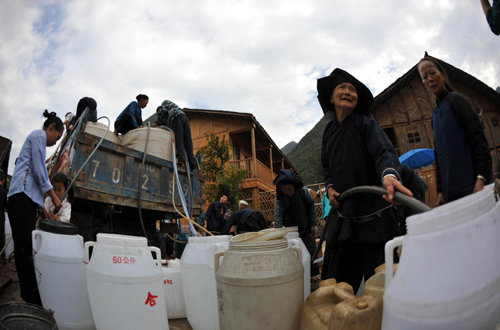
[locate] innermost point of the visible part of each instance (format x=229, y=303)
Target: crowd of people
x=355, y=152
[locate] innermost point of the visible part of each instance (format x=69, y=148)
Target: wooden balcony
x=256, y=170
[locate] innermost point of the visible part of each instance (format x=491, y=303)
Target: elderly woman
x=356, y=152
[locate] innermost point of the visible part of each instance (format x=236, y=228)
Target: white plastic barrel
x=449, y=273
x=159, y=145
x=260, y=286
x=198, y=280
x=60, y=270
x=172, y=286
x=99, y=129
x=295, y=241
x=125, y=283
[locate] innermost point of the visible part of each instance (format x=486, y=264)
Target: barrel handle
x=389, y=259
x=87, y=246
x=158, y=255
x=217, y=256
x=299, y=253
x=34, y=234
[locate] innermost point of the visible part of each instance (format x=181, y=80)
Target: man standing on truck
x=214, y=220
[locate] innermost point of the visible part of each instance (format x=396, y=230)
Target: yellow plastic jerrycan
x=375, y=286
x=334, y=306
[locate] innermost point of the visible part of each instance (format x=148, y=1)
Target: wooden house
x=252, y=147
x=5, y=147
x=404, y=111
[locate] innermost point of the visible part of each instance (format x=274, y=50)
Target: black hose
x=411, y=202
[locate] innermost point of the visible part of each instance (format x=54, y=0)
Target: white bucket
x=159, y=145
x=295, y=241
x=60, y=272
x=99, y=129
x=449, y=273
x=8, y=231
x=125, y=283
x=260, y=286
x=198, y=280
x=172, y=286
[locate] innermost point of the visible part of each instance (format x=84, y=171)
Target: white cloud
x=251, y=56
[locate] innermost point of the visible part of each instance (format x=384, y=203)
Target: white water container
x=125, y=283
x=99, y=129
x=295, y=241
x=172, y=286
x=60, y=272
x=159, y=145
x=260, y=286
x=449, y=273
x=198, y=280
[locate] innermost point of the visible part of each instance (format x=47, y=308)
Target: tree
x=221, y=177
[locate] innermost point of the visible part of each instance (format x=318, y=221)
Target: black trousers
x=124, y=124
x=22, y=217
x=183, y=141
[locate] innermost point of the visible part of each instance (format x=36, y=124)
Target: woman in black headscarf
x=84, y=103
x=295, y=208
x=356, y=152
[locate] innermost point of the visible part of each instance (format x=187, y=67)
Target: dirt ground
x=9, y=291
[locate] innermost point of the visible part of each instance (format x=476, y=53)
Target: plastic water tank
x=159, y=145
x=59, y=261
x=295, y=241
x=449, y=273
x=99, y=129
x=260, y=285
x=172, y=286
x=125, y=283
x=198, y=280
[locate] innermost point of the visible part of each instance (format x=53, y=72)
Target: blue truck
x=106, y=196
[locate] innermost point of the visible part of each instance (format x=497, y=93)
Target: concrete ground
x=9, y=291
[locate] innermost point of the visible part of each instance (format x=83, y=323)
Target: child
x=60, y=183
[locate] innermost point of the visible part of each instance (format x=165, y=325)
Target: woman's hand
x=53, y=216
x=479, y=185
x=55, y=200
x=391, y=184
x=332, y=197
x=313, y=232
x=440, y=199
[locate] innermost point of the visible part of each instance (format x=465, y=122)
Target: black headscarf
x=287, y=177
x=326, y=85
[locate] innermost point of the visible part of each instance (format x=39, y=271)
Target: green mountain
x=306, y=156
x=289, y=147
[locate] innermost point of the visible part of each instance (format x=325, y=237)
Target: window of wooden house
x=236, y=152
x=414, y=137
x=494, y=120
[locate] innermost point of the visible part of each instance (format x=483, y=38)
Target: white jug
x=198, y=280
x=449, y=273
x=172, y=285
x=125, y=283
x=295, y=241
x=60, y=271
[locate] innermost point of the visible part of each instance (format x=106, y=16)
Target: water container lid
x=122, y=240
x=292, y=229
x=58, y=227
x=292, y=235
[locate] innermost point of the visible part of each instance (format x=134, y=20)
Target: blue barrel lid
x=58, y=227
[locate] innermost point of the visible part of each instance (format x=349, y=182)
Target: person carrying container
x=29, y=183
x=131, y=117
x=244, y=220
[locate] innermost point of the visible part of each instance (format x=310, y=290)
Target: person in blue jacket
x=131, y=117
x=29, y=183
x=461, y=151
x=492, y=13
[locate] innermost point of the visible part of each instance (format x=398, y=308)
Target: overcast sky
x=261, y=57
